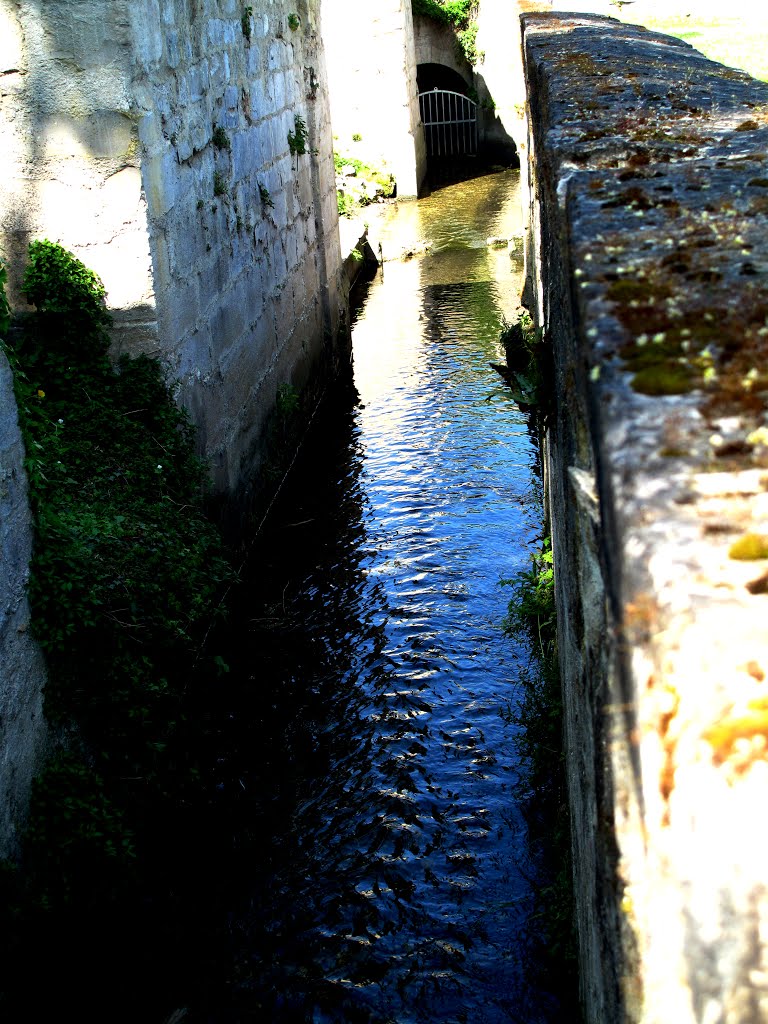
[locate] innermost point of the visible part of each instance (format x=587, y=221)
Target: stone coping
x=651, y=166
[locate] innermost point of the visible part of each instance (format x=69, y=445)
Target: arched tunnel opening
x=463, y=133
x=439, y=76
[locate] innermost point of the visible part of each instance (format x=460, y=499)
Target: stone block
x=231, y=97
x=172, y=51
x=260, y=105
x=276, y=90
x=198, y=81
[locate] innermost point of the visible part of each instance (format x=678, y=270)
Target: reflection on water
x=385, y=854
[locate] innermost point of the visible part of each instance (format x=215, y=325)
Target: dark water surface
x=393, y=881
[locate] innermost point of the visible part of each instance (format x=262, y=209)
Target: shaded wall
x=22, y=672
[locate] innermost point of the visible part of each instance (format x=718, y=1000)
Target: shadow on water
x=365, y=771
x=345, y=841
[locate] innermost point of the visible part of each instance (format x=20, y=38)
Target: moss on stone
x=663, y=379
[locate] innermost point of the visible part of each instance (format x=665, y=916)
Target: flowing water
x=393, y=881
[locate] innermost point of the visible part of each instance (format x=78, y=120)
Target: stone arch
x=436, y=44
x=438, y=76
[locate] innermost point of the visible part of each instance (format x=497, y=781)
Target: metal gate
x=450, y=122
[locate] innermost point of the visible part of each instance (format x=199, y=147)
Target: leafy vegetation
x=297, y=139
x=126, y=581
x=220, y=187
x=265, y=197
x=460, y=15
x=245, y=22
x=527, y=363
x=531, y=617
x=220, y=138
x=358, y=184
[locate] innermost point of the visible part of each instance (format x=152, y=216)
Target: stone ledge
x=650, y=164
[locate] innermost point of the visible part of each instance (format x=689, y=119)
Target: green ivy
x=75, y=834
x=127, y=570
x=447, y=12
x=460, y=15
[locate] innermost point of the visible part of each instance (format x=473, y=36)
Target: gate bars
x=450, y=122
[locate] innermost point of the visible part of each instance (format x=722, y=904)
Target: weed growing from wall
x=220, y=187
x=297, y=139
x=220, y=139
x=538, y=712
x=265, y=197
x=528, y=368
x=245, y=22
x=538, y=709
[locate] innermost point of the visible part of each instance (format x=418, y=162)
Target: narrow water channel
x=393, y=881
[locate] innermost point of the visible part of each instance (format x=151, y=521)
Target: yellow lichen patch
x=749, y=725
x=749, y=548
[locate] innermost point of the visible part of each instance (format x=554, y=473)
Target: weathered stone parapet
x=649, y=197
x=22, y=673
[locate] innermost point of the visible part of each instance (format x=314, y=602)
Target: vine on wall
x=461, y=16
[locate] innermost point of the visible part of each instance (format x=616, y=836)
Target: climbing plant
x=461, y=16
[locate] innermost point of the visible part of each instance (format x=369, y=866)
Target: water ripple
x=396, y=882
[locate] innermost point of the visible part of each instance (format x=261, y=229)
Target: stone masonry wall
x=22, y=673
x=151, y=138
x=244, y=233
x=649, y=202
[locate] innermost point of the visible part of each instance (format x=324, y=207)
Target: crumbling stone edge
x=647, y=263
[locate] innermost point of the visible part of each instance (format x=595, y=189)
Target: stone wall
x=435, y=43
x=151, y=138
x=244, y=233
x=372, y=84
x=649, y=203
x=22, y=673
